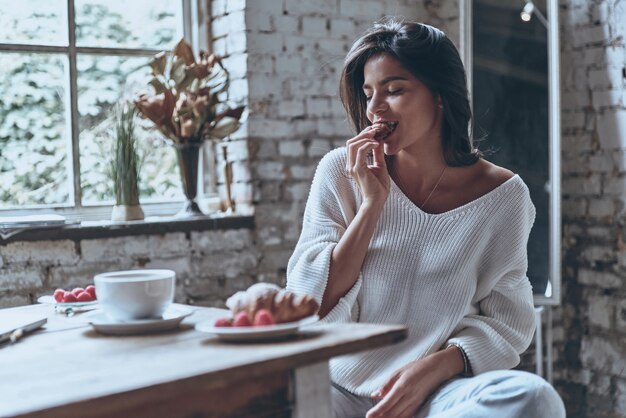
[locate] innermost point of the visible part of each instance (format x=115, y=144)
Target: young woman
x=408, y=225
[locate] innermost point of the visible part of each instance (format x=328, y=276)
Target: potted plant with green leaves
x=124, y=166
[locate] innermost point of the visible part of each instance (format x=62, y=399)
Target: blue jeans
x=497, y=394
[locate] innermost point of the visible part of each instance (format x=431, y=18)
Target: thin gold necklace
x=431, y=192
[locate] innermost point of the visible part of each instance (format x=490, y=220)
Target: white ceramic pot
x=127, y=213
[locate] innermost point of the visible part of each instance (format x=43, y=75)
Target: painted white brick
x=171, y=245
x=582, y=186
x=317, y=7
x=600, y=311
x=298, y=191
x=602, y=162
x=577, y=164
x=574, y=208
x=620, y=394
x=270, y=236
x=599, y=278
x=342, y=29
x=620, y=316
x=606, y=98
x=238, y=89
x=241, y=171
x=10, y=301
x=314, y=27
x=21, y=278
x=602, y=354
x=271, y=129
x=320, y=147
x=291, y=148
x=205, y=242
x=619, y=161
x=234, y=5
x=236, y=42
x=303, y=172
x=181, y=265
x=287, y=24
x=595, y=253
x=318, y=106
x=218, y=7
x=55, y=252
x=114, y=249
x=266, y=43
x=262, y=86
x=572, y=120
x=290, y=64
x=260, y=22
x=606, y=78
x=271, y=7
x=270, y=170
x=291, y=108
x=601, y=208
x=364, y=8
x=237, y=65
x=615, y=186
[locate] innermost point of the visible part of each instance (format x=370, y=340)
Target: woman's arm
x=373, y=182
x=348, y=255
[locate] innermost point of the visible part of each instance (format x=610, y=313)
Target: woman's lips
x=383, y=130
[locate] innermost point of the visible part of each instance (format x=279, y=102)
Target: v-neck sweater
x=454, y=277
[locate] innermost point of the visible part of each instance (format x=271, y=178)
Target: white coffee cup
x=135, y=294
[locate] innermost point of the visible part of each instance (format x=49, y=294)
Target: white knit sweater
x=458, y=276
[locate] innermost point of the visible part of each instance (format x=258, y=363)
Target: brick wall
x=590, y=350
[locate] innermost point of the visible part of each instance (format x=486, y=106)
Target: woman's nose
x=377, y=105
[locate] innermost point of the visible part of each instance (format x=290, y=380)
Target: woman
x=409, y=225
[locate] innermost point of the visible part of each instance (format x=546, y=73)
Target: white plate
x=255, y=333
x=171, y=319
x=49, y=300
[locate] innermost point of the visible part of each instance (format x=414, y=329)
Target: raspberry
x=69, y=298
x=91, y=289
x=84, y=297
x=58, y=295
x=263, y=317
x=77, y=291
x=242, y=320
x=223, y=322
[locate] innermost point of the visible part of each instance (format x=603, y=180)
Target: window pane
x=156, y=24
x=104, y=81
x=42, y=22
x=33, y=137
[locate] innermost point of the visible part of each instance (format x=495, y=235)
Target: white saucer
x=49, y=300
x=171, y=319
x=255, y=333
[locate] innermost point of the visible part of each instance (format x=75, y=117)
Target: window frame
x=195, y=31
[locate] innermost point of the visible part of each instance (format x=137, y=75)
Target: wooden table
x=68, y=370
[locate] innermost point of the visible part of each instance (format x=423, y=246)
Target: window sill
x=150, y=226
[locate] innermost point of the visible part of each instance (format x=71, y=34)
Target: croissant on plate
x=284, y=305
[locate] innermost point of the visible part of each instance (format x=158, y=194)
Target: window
x=65, y=65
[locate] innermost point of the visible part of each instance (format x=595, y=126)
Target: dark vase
x=188, y=153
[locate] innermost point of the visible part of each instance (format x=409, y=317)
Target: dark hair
x=433, y=59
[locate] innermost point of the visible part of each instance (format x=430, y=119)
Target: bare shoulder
x=491, y=175
x=471, y=182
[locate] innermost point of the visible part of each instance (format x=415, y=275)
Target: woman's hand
x=373, y=179
x=408, y=387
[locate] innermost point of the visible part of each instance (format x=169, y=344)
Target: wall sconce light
x=530, y=9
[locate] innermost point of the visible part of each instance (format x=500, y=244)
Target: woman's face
x=395, y=95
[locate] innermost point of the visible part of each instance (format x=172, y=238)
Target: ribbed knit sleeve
x=329, y=210
x=503, y=326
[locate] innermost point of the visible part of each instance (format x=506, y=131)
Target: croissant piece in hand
x=284, y=305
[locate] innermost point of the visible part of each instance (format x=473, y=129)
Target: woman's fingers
x=361, y=155
x=352, y=145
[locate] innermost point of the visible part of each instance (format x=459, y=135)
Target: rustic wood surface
x=67, y=369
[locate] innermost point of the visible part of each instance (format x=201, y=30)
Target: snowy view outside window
x=35, y=113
